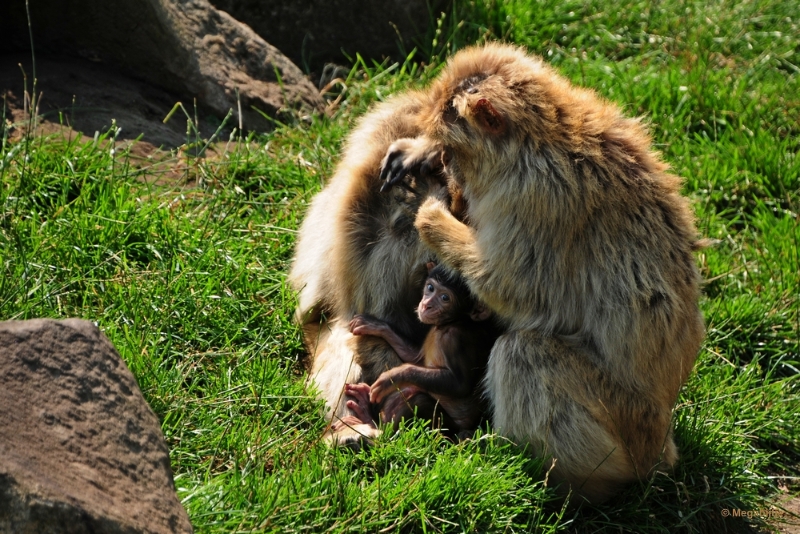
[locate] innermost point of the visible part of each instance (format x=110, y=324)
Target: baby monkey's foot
x=360, y=406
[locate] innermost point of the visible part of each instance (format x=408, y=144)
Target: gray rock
x=317, y=31
x=186, y=46
x=80, y=449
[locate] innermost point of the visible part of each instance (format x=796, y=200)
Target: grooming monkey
x=573, y=234
x=448, y=366
x=359, y=253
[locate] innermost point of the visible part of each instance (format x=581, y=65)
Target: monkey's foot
x=464, y=435
x=364, y=325
x=349, y=421
x=359, y=404
x=355, y=437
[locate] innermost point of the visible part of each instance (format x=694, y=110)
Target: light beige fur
x=359, y=253
x=577, y=238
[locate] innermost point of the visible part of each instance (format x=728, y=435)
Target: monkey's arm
x=363, y=325
x=453, y=241
x=438, y=381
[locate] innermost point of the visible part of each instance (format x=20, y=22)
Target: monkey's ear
x=488, y=117
x=480, y=312
x=430, y=266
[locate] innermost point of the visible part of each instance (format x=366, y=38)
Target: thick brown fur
x=578, y=240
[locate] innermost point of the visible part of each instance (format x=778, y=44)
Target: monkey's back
x=580, y=241
x=572, y=201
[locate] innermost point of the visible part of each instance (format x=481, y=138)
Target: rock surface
x=317, y=31
x=186, y=46
x=87, y=96
x=80, y=449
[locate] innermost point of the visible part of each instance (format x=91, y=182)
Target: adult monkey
x=579, y=241
x=359, y=253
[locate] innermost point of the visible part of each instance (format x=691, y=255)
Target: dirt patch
x=86, y=96
x=789, y=523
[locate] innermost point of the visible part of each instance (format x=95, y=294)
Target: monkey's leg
x=411, y=402
x=547, y=394
x=334, y=366
x=402, y=404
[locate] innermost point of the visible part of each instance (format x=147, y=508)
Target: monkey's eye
x=429, y=288
x=445, y=297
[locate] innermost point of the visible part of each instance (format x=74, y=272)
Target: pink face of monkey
x=439, y=304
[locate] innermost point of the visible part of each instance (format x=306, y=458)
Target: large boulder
x=318, y=31
x=80, y=449
x=186, y=46
x=89, y=96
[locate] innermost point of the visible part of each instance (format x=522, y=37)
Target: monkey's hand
x=419, y=157
x=433, y=212
x=364, y=325
x=388, y=382
x=453, y=241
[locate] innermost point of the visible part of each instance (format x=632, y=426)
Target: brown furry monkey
x=359, y=253
x=574, y=234
x=581, y=242
x=448, y=366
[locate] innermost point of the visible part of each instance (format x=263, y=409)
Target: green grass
x=188, y=281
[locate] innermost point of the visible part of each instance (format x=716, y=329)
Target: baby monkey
x=440, y=379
